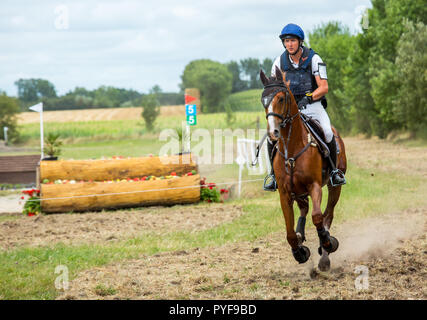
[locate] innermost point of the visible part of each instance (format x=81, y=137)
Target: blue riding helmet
x=292, y=30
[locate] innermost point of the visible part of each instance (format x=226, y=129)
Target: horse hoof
x=324, y=263
x=301, y=254
x=333, y=246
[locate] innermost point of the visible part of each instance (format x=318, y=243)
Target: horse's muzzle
x=274, y=134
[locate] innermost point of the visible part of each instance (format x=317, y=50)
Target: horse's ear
x=263, y=77
x=279, y=75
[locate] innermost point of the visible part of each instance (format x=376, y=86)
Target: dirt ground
x=110, y=226
x=392, y=249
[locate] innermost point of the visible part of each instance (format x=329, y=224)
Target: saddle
x=316, y=130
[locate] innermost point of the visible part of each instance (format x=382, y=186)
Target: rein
x=288, y=119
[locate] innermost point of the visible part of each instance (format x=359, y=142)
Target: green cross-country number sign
x=192, y=119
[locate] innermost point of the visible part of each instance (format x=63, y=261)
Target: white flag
x=37, y=107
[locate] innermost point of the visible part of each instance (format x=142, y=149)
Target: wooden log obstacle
x=118, y=183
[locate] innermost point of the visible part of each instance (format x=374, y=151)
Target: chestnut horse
x=300, y=170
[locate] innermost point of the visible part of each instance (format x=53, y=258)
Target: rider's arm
x=322, y=88
x=319, y=72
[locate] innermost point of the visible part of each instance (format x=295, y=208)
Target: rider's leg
x=270, y=183
x=337, y=176
x=316, y=111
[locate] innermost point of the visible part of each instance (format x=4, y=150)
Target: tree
x=156, y=90
x=9, y=108
x=213, y=79
x=151, y=110
x=370, y=79
x=333, y=42
x=386, y=25
x=31, y=90
x=410, y=104
x=266, y=65
x=237, y=83
x=250, y=67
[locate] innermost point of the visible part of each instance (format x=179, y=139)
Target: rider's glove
x=307, y=99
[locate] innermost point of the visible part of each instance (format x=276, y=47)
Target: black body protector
x=301, y=79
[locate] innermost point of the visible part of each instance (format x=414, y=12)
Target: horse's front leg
x=328, y=244
x=303, y=207
x=301, y=253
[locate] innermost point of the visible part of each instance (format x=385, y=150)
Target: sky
x=138, y=44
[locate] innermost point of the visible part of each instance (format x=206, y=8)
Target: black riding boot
x=337, y=176
x=270, y=183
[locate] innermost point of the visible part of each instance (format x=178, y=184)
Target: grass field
x=131, y=129
x=377, y=185
x=246, y=101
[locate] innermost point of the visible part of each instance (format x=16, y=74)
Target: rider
x=308, y=82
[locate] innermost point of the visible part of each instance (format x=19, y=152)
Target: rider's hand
x=302, y=104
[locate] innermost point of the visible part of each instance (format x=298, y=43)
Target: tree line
x=378, y=78
x=31, y=91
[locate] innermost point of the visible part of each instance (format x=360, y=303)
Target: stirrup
x=341, y=174
x=273, y=184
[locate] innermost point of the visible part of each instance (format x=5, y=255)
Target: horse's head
x=276, y=101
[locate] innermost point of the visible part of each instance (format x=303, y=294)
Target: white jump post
x=247, y=158
x=39, y=108
x=5, y=135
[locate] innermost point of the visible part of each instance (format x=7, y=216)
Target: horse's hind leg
x=303, y=207
x=328, y=216
x=327, y=242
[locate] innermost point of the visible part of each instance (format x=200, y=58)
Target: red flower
x=31, y=214
x=22, y=197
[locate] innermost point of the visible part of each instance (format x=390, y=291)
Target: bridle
x=279, y=87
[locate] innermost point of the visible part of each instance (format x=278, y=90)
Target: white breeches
x=316, y=111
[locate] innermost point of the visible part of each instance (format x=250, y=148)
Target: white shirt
x=314, y=65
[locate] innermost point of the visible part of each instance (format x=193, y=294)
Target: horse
x=300, y=170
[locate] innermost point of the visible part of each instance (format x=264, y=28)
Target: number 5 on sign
x=190, y=109
x=191, y=120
